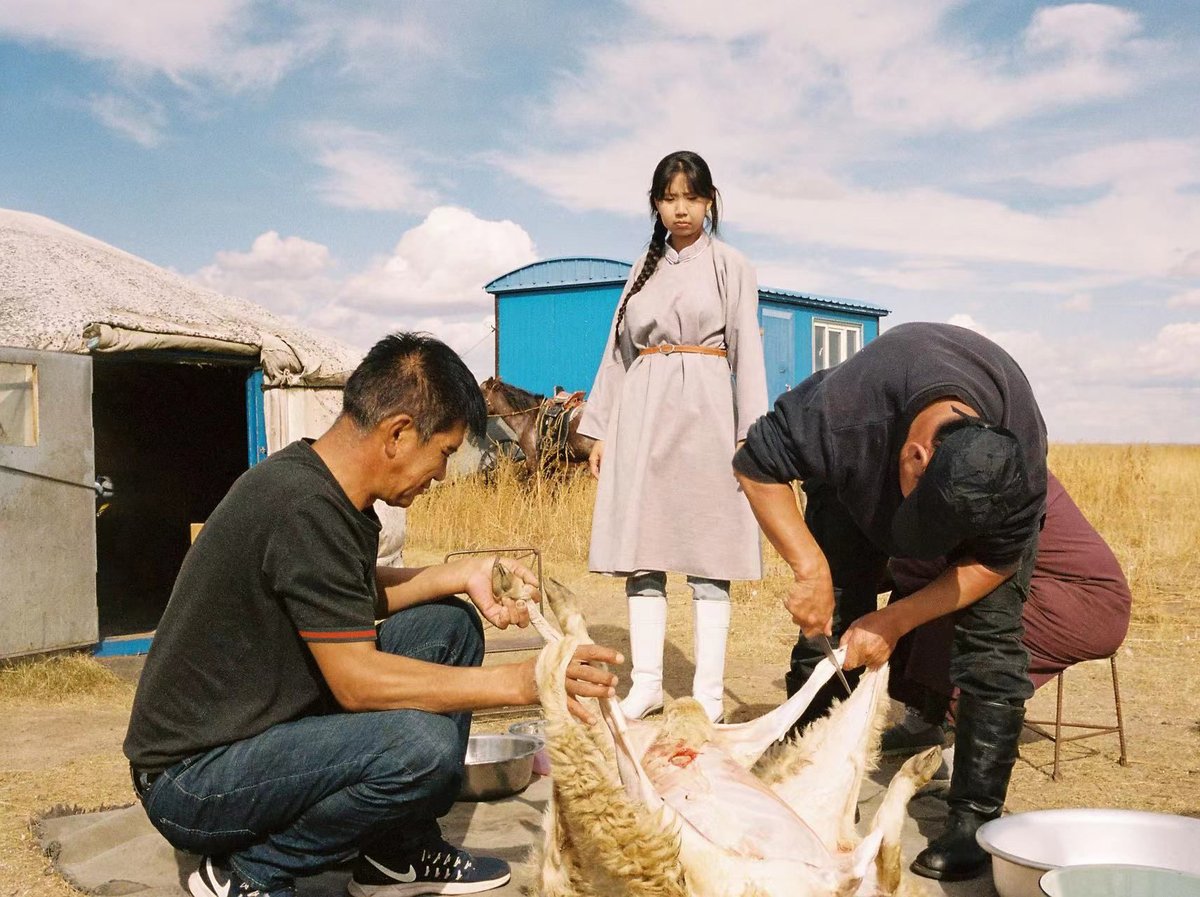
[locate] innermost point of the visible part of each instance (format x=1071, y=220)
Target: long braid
x=658, y=245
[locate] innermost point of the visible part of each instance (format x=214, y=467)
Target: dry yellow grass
x=507, y=507
x=1141, y=498
x=55, y=680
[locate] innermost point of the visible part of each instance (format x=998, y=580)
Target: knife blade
x=823, y=641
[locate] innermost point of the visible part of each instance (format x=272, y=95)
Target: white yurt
x=130, y=400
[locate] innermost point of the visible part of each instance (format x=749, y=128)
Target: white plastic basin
x=1119, y=881
x=1026, y=845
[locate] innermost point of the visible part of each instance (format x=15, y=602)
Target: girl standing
x=680, y=382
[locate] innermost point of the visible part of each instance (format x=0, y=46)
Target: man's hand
x=810, y=602
x=585, y=679
x=870, y=640
x=595, y=456
x=500, y=610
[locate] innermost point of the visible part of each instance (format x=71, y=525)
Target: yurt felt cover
x=61, y=290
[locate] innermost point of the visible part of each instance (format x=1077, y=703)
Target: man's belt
x=142, y=781
x=669, y=349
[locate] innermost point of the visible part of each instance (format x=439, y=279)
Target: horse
x=546, y=429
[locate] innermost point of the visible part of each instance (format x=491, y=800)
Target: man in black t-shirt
x=276, y=729
x=926, y=443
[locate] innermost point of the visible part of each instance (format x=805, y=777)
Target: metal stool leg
x=1120, y=718
x=1058, y=728
x=1089, y=730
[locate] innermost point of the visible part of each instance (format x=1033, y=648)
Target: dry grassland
x=65, y=718
x=1145, y=500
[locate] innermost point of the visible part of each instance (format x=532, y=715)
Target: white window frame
x=827, y=333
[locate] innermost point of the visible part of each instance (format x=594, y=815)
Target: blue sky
x=1031, y=170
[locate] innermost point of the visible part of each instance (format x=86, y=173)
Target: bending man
x=926, y=443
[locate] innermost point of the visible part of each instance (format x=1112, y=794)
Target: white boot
x=711, y=631
x=647, y=632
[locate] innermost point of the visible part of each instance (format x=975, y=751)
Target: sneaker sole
x=400, y=889
x=199, y=887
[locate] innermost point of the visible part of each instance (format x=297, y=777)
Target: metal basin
x=1119, y=881
x=1024, y=846
x=498, y=765
x=537, y=729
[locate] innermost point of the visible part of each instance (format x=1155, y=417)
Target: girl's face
x=682, y=211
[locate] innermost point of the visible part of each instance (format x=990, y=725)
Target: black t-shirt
x=846, y=425
x=285, y=559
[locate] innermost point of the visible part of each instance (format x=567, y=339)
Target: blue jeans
x=313, y=792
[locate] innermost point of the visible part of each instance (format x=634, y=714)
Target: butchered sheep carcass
x=680, y=806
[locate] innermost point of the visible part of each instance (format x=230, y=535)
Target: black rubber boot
x=984, y=754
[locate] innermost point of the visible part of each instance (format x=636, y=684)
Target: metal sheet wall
x=48, y=514
x=554, y=338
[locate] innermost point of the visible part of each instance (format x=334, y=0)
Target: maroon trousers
x=1078, y=607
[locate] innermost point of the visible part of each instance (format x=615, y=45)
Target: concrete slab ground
x=118, y=852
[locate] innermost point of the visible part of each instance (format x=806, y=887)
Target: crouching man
x=276, y=729
x=927, y=443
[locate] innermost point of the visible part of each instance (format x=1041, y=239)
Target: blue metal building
x=552, y=320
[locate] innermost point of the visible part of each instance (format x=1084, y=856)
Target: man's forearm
x=958, y=586
x=401, y=587
x=363, y=678
x=775, y=509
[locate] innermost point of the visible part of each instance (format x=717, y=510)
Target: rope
x=522, y=411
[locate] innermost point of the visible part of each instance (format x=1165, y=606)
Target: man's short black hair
x=417, y=375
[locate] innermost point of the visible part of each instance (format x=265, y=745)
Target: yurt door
x=48, y=502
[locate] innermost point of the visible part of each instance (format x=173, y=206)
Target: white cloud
x=965, y=320
x=432, y=280
x=364, y=170
x=1087, y=29
x=1172, y=357
x=209, y=39
x=836, y=87
x=1104, y=389
x=441, y=265
x=1078, y=303
x=1188, y=266
x=143, y=122
x=1139, y=164
x=920, y=275
x=1186, y=299
x=289, y=275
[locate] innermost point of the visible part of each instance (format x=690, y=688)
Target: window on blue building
x=834, y=342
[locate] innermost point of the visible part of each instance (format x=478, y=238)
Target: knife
x=822, y=641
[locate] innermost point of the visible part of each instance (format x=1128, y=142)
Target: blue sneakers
x=213, y=879
x=434, y=868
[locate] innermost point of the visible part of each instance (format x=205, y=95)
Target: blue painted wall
x=551, y=338
x=553, y=325
x=788, y=339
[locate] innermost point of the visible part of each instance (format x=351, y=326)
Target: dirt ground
x=70, y=754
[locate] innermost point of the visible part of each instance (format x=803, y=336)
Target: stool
x=1091, y=729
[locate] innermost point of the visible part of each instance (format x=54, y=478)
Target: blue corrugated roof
x=587, y=270
x=560, y=272
x=812, y=300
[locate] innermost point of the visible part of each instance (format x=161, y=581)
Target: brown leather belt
x=668, y=349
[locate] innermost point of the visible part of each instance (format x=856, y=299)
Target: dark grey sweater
x=846, y=425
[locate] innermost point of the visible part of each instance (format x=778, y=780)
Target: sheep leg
x=889, y=818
